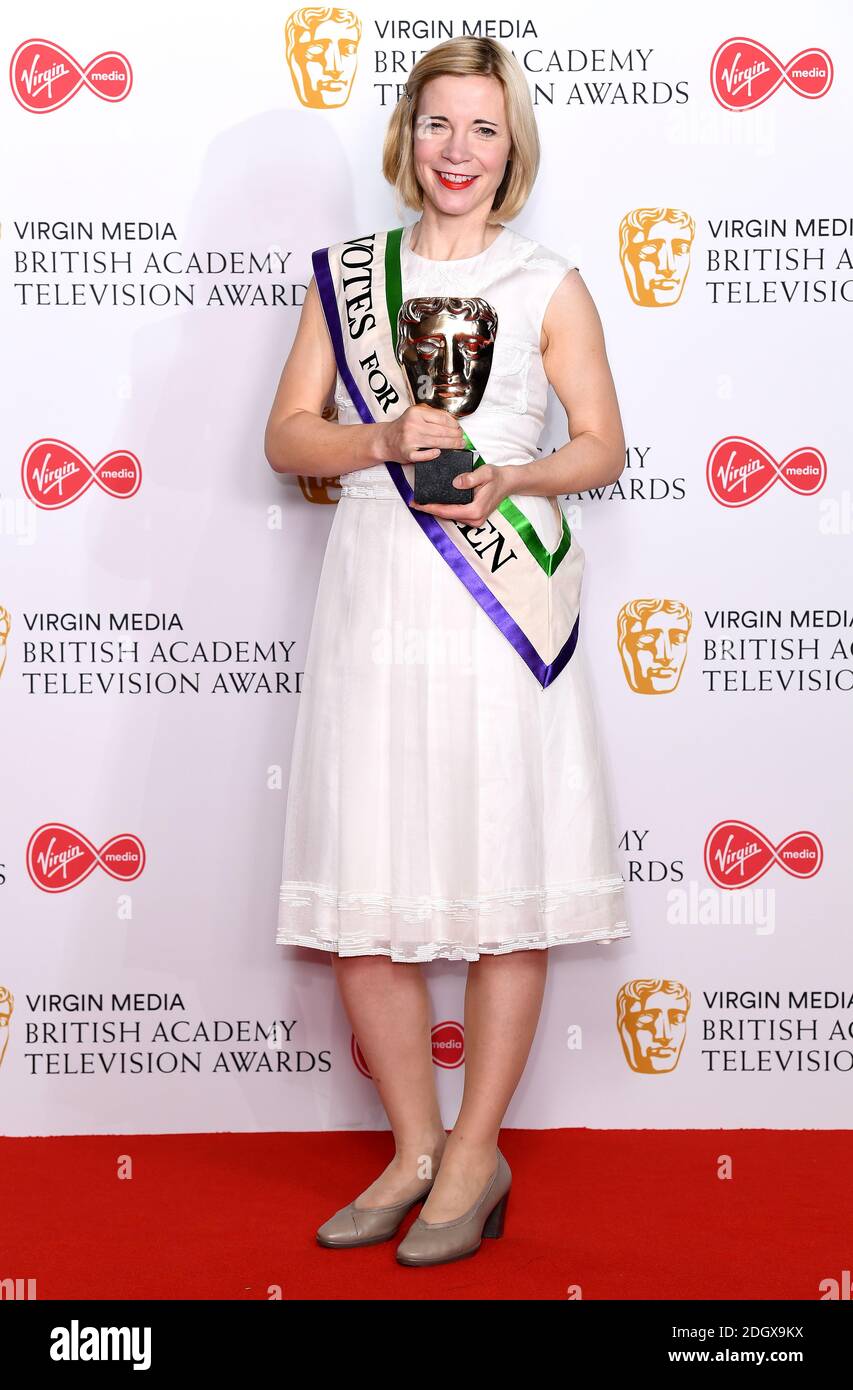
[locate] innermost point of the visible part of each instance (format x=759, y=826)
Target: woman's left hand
x=492, y=485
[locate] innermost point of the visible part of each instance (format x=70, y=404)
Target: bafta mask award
x=445, y=346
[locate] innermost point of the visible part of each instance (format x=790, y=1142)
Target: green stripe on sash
x=393, y=279
x=548, y=560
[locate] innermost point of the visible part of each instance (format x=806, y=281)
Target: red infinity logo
x=59, y=857
x=448, y=1047
x=45, y=77
x=744, y=74
x=736, y=854
x=55, y=474
x=448, y=1044
x=358, y=1057
x=739, y=471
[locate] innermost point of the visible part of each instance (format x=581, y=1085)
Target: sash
x=531, y=593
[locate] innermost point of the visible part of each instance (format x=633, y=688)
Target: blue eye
x=481, y=130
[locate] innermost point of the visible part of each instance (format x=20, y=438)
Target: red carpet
x=626, y=1214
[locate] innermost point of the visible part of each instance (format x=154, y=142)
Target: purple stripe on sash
x=428, y=523
x=323, y=276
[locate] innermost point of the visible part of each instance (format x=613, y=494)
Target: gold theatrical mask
x=5, y=628
x=654, y=248
x=445, y=347
x=321, y=45
x=652, y=635
x=323, y=491
x=651, y=1017
x=7, y=1005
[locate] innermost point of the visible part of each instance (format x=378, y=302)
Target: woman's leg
x=388, y=1007
x=503, y=1000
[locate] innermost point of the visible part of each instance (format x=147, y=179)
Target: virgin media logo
x=744, y=74
x=59, y=857
x=739, y=471
x=55, y=474
x=45, y=77
x=448, y=1047
x=358, y=1057
x=736, y=854
x=448, y=1044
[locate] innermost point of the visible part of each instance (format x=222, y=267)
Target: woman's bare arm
x=575, y=361
x=297, y=439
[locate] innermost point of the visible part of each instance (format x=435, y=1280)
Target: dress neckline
x=458, y=260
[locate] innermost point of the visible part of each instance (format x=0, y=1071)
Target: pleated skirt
x=441, y=804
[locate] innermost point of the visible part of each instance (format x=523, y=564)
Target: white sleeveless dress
x=441, y=804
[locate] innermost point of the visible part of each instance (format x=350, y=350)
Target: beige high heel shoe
x=354, y=1225
x=438, y=1242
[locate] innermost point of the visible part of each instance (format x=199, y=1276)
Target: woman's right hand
x=421, y=432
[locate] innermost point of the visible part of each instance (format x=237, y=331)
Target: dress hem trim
x=451, y=950
x=300, y=893
x=296, y=896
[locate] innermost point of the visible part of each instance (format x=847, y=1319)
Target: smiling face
x=461, y=142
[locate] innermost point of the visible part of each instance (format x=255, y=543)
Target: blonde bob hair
x=464, y=57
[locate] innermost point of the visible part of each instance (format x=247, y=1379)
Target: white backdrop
x=141, y=1006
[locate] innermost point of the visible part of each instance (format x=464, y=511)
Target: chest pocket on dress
x=508, y=378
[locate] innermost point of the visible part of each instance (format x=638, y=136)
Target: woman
x=446, y=796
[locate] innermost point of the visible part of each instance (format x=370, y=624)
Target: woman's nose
x=456, y=149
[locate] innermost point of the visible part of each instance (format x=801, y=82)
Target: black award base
x=434, y=477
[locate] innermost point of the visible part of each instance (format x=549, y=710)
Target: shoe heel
x=494, y=1226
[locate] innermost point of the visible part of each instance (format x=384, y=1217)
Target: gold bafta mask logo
x=652, y=636
x=651, y=1016
x=321, y=45
x=445, y=347
x=325, y=491
x=5, y=629
x=7, y=1005
x=654, y=248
